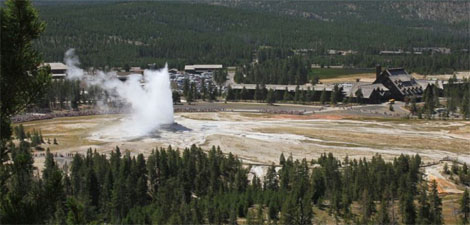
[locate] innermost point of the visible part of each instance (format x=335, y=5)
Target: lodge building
x=399, y=82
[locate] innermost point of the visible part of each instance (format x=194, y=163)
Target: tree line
x=308, y=96
x=70, y=94
x=196, y=186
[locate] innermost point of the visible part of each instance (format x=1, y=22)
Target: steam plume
x=149, y=97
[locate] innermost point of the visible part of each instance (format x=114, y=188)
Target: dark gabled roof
x=404, y=82
x=397, y=72
x=367, y=89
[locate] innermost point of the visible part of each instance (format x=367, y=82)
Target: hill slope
x=137, y=33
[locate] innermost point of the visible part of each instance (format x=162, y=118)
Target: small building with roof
x=371, y=93
x=424, y=83
x=202, y=68
x=58, y=70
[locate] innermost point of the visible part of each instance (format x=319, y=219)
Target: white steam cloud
x=149, y=97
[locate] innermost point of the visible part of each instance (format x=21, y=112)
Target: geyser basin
x=149, y=98
x=262, y=137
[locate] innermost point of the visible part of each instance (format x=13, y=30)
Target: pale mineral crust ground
x=260, y=138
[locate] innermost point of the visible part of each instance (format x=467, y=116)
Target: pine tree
x=92, y=188
x=212, y=92
x=310, y=94
x=302, y=97
x=195, y=92
x=333, y=97
x=230, y=95
x=19, y=132
x=53, y=187
x=273, y=209
x=21, y=193
x=414, y=108
x=258, y=94
x=41, y=138
x=367, y=205
x=465, y=207
x=176, y=97
x=359, y=96
x=429, y=103
x=204, y=90
x=238, y=77
x=435, y=94
x=407, y=208
x=297, y=94
x=244, y=94
x=22, y=80
x=383, y=216
x=270, y=98
x=323, y=96
x=423, y=216
x=271, y=181
x=288, y=210
x=76, y=212
x=435, y=205
x=287, y=96
x=264, y=92
x=186, y=88
x=465, y=107
x=452, y=95
x=190, y=95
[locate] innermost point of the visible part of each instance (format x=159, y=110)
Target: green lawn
x=323, y=73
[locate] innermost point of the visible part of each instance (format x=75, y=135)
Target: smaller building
x=136, y=69
x=387, y=52
x=432, y=50
x=202, y=68
x=58, y=70
x=425, y=83
x=371, y=93
x=341, y=52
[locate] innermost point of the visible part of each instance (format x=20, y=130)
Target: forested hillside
x=137, y=33
x=438, y=15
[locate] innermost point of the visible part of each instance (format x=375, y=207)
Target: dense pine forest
x=193, y=186
x=138, y=33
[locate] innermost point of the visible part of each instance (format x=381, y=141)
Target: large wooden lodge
x=391, y=83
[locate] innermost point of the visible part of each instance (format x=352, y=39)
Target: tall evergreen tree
x=270, y=98
x=383, y=214
x=408, y=210
x=287, y=96
x=465, y=207
x=333, y=95
x=435, y=204
x=22, y=80
x=424, y=215
x=323, y=96
x=230, y=95
x=53, y=187
x=359, y=96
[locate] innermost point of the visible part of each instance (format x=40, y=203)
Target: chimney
x=378, y=70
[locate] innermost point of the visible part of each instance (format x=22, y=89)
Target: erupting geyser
x=148, y=96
